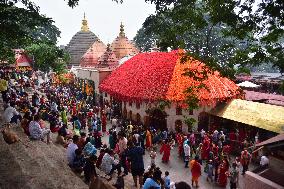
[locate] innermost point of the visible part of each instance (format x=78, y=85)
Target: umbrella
x=158, y=76
x=248, y=84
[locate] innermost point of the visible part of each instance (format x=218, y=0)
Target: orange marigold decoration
x=160, y=76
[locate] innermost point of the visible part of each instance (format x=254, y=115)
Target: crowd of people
x=80, y=121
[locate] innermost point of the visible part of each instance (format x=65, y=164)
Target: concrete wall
x=252, y=180
x=91, y=74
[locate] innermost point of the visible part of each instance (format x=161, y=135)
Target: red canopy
x=159, y=76
x=23, y=60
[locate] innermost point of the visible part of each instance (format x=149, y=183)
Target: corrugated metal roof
x=265, y=116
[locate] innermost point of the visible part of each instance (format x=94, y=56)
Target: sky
x=104, y=17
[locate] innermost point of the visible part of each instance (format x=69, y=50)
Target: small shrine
x=108, y=59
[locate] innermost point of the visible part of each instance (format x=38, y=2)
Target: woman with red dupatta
x=223, y=170
x=180, y=143
x=166, y=149
x=233, y=139
x=148, y=139
x=205, y=148
x=195, y=168
x=104, y=120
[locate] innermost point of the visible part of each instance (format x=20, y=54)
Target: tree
x=20, y=27
x=144, y=41
x=259, y=24
x=48, y=56
x=203, y=39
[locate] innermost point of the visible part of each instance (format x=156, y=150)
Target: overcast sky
x=104, y=17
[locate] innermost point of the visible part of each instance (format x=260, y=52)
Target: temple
x=87, y=50
x=122, y=46
x=80, y=43
x=91, y=57
x=108, y=59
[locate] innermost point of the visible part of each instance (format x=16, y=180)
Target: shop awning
x=265, y=116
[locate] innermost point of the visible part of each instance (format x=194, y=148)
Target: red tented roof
x=23, y=60
x=159, y=76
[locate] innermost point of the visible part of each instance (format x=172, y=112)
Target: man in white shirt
x=186, y=149
x=202, y=133
x=114, y=121
x=54, y=106
x=38, y=133
x=122, y=143
x=264, y=161
x=11, y=115
x=71, y=149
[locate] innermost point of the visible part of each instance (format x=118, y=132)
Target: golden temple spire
x=84, y=26
x=121, y=33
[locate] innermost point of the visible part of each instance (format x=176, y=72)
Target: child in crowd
x=153, y=155
x=90, y=168
x=210, y=171
x=167, y=180
x=78, y=162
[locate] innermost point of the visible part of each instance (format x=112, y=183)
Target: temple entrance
x=124, y=112
x=178, y=125
x=138, y=118
x=117, y=108
x=203, y=121
x=130, y=115
x=146, y=121
x=157, y=118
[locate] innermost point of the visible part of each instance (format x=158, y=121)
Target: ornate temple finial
x=121, y=33
x=84, y=26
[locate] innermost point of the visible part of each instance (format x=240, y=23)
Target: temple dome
x=80, y=43
x=108, y=59
x=91, y=57
x=122, y=46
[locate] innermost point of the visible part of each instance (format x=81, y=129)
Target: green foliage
x=162, y=104
x=189, y=121
x=48, y=56
x=188, y=26
x=144, y=41
x=251, y=32
x=74, y=3
x=20, y=27
x=242, y=70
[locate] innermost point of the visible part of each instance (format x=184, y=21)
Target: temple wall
x=99, y=76
x=171, y=111
x=94, y=75
x=253, y=180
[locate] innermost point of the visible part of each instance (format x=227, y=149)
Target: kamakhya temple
x=140, y=82
x=87, y=50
